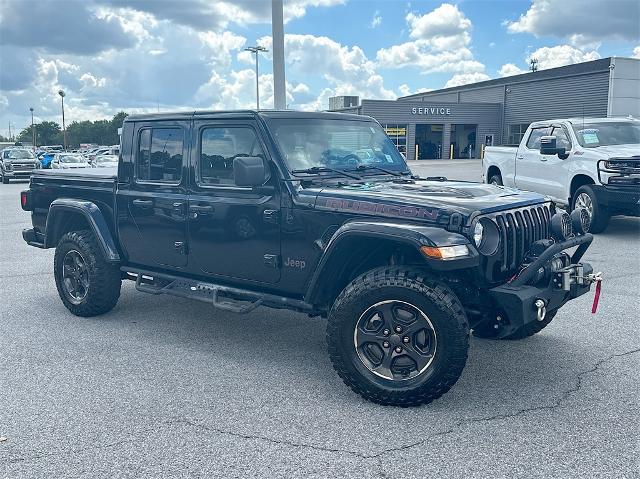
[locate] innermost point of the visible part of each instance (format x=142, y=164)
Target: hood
x=613, y=151
x=423, y=199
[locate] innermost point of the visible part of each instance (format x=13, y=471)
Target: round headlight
x=486, y=236
x=478, y=232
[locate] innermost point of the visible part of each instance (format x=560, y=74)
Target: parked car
x=65, y=161
x=105, y=161
x=591, y=163
x=17, y=163
x=103, y=150
x=241, y=210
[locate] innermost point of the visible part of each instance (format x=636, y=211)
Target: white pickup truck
x=593, y=163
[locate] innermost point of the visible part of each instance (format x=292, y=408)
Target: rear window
x=159, y=155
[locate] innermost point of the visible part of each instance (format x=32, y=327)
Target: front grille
x=519, y=229
x=19, y=167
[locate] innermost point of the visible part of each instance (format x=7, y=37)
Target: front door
x=234, y=232
x=155, y=228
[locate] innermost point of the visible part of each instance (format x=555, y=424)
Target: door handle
x=543, y=159
x=202, y=209
x=143, y=203
x=519, y=157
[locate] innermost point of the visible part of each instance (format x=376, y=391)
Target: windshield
x=72, y=159
x=338, y=144
x=19, y=155
x=594, y=134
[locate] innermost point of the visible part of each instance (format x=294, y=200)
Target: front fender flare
x=91, y=212
x=416, y=236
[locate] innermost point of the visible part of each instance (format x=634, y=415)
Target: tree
x=47, y=133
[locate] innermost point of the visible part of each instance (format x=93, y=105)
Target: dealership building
x=458, y=122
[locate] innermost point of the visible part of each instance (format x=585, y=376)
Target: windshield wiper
x=384, y=170
x=325, y=169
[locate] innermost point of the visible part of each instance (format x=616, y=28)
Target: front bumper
x=516, y=300
x=13, y=173
x=619, y=199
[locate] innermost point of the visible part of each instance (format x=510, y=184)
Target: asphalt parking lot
x=165, y=387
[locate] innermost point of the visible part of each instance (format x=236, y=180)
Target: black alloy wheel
x=75, y=277
x=398, y=337
x=395, y=340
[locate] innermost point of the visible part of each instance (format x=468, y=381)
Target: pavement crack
x=548, y=407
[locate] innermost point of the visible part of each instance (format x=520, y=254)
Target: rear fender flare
x=94, y=217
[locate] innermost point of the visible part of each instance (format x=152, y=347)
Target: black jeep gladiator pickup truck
x=318, y=213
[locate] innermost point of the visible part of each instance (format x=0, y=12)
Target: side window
x=533, y=143
x=159, y=155
x=562, y=139
x=219, y=147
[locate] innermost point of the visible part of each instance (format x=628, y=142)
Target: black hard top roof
x=231, y=114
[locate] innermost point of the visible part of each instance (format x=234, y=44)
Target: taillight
x=25, y=200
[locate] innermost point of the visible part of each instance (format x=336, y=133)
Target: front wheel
x=87, y=284
x=585, y=197
x=398, y=338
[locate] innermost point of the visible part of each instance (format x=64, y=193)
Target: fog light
x=561, y=227
x=580, y=220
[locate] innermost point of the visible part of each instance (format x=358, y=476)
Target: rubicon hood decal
x=378, y=208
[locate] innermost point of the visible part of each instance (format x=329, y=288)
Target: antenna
x=534, y=65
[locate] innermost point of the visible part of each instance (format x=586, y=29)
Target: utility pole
x=64, y=129
x=277, y=34
x=255, y=50
x=9, y=131
x=33, y=130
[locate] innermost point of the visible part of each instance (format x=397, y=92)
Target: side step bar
x=222, y=297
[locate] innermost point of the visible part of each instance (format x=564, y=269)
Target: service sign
x=430, y=110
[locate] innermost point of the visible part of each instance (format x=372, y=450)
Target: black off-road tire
x=435, y=299
x=495, y=179
x=600, y=215
x=104, y=278
x=488, y=331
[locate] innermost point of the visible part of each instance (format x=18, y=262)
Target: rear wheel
x=495, y=179
x=585, y=197
x=397, y=338
x=87, y=284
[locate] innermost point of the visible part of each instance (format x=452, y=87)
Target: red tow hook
x=597, y=278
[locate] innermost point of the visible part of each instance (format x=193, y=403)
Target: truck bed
x=90, y=184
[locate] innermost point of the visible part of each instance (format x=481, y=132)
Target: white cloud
x=346, y=69
x=441, y=43
x=636, y=52
x=376, y=21
x=560, y=55
x=465, y=78
x=581, y=21
x=445, y=21
x=404, y=90
x=509, y=69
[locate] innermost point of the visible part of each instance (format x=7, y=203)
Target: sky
x=149, y=55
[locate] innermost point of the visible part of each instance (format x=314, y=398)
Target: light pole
x=33, y=131
x=255, y=50
x=64, y=129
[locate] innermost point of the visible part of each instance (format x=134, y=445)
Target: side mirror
x=548, y=146
x=249, y=171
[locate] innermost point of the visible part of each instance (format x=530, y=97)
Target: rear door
x=234, y=232
x=154, y=232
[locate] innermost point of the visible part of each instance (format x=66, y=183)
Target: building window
x=398, y=134
x=516, y=133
